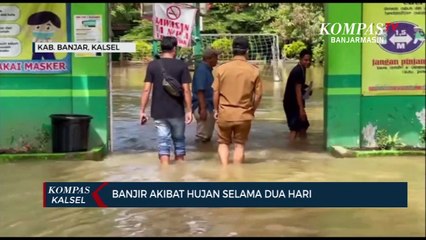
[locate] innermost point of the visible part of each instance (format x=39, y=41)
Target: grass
x=342, y=152
x=96, y=154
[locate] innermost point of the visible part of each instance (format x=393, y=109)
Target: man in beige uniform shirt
x=237, y=93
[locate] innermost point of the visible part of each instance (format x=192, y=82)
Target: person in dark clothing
x=202, y=95
x=293, y=102
x=170, y=113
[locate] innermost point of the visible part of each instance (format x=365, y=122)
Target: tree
x=238, y=17
x=125, y=13
x=298, y=21
x=143, y=30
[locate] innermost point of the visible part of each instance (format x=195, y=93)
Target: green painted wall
x=342, y=104
x=27, y=100
x=347, y=112
x=395, y=114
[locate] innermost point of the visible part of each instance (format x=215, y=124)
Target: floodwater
x=269, y=158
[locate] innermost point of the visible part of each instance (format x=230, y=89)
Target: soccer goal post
x=264, y=51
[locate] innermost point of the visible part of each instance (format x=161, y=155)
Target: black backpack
x=170, y=84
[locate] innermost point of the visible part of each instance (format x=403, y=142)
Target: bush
x=318, y=54
x=298, y=21
x=293, y=49
x=388, y=142
x=224, y=45
x=423, y=136
x=185, y=52
x=143, y=51
x=143, y=30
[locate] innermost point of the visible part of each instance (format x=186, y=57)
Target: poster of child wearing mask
x=43, y=25
x=22, y=26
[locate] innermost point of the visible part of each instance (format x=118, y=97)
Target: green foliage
x=422, y=136
x=293, y=49
x=238, y=17
x=143, y=51
x=185, y=52
x=387, y=142
x=318, y=54
x=124, y=12
x=381, y=138
x=291, y=21
x=224, y=45
x=298, y=21
x=142, y=31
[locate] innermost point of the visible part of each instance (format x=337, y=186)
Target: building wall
x=27, y=100
x=347, y=111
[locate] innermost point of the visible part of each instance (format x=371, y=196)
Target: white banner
x=175, y=20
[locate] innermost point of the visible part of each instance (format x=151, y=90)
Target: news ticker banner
x=225, y=194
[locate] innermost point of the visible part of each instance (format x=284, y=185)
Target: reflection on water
x=268, y=159
x=128, y=82
x=22, y=213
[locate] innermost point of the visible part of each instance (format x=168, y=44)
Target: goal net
x=264, y=51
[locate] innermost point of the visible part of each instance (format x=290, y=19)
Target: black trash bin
x=70, y=132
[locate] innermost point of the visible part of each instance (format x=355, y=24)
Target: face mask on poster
x=43, y=35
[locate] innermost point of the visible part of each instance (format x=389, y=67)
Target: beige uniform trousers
x=205, y=128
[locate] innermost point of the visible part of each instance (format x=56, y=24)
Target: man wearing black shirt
x=293, y=102
x=170, y=113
